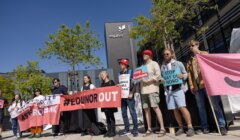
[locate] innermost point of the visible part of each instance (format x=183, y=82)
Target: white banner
x=47, y=101
x=124, y=81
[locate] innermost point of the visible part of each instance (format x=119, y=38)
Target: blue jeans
x=201, y=103
x=15, y=127
x=130, y=103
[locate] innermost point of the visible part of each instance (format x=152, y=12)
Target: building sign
x=120, y=32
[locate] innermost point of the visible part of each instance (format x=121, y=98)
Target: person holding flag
x=128, y=90
x=175, y=97
x=197, y=87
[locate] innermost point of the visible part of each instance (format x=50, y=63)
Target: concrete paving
x=233, y=134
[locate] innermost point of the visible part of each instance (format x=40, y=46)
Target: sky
x=26, y=24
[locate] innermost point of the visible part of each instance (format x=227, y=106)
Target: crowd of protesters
x=150, y=92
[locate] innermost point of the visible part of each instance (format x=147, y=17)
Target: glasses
x=192, y=45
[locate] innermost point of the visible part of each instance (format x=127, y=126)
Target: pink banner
x=221, y=73
x=1, y=103
x=35, y=116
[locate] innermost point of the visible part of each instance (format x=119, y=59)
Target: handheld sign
x=140, y=73
x=124, y=81
x=171, y=77
x=1, y=104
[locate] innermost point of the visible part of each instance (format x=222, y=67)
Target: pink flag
x=221, y=73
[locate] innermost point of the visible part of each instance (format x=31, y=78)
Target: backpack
x=98, y=128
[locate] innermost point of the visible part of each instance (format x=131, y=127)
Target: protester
x=88, y=115
x=109, y=112
x=128, y=102
x=197, y=87
x=175, y=97
x=150, y=93
x=4, y=104
x=37, y=130
x=58, y=130
x=17, y=103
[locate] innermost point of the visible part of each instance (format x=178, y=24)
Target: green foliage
x=29, y=77
x=167, y=19
x=73, y=46
x=7, y=87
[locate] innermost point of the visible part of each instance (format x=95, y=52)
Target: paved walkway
x=233, y=134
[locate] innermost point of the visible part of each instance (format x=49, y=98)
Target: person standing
x=89, y=115
x=128, y=102
x=17, y=103
x=3, y=105
x=175, y=97
x=58, y=130
x=109, y=112
x=150, y=93
x=197, y=87
x=36, y=131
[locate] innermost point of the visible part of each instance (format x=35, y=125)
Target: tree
x=7, y=87
x=167, y=19
x=27, y=78
x=73, y=46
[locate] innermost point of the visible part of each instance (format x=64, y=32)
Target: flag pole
x=214, y=115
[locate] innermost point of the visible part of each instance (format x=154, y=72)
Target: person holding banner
x=88, y=115
x=197, y=87
x=109, y=112
x=17, y=103
x=150, y=93
x=174, y=74
x=3, y=104
x=128, y=90
x=38, y=98
x=58, y=130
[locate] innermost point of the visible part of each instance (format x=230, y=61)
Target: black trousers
x=88, y=117
x=110, y=120
x=61, y=127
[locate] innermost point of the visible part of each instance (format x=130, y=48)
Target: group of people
x=149, y=88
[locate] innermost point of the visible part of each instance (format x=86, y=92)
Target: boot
x=108, y=131
x=113, y=132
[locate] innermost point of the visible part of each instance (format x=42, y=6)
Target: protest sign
x=46, y=111
x=105, y=97
x=124, y=81
x=140, y=73
x=171, y=77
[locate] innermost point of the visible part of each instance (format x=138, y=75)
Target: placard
x=171, y=77
x=124, y=81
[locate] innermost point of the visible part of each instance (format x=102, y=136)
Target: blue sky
x=26, y=24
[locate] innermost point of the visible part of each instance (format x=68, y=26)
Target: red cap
x=124, y=62
x=148, y=52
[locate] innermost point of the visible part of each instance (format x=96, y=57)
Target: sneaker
x=135, y=134
x=31, y=136
x=106, y=134
x=125, y=133
x=55, y=134
x=38, y=135
x=60, y=134
x=112, y=134
x=205, y=131
x=223, y=131
x=179, y=132
x=198, y=132
x=190, y=132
